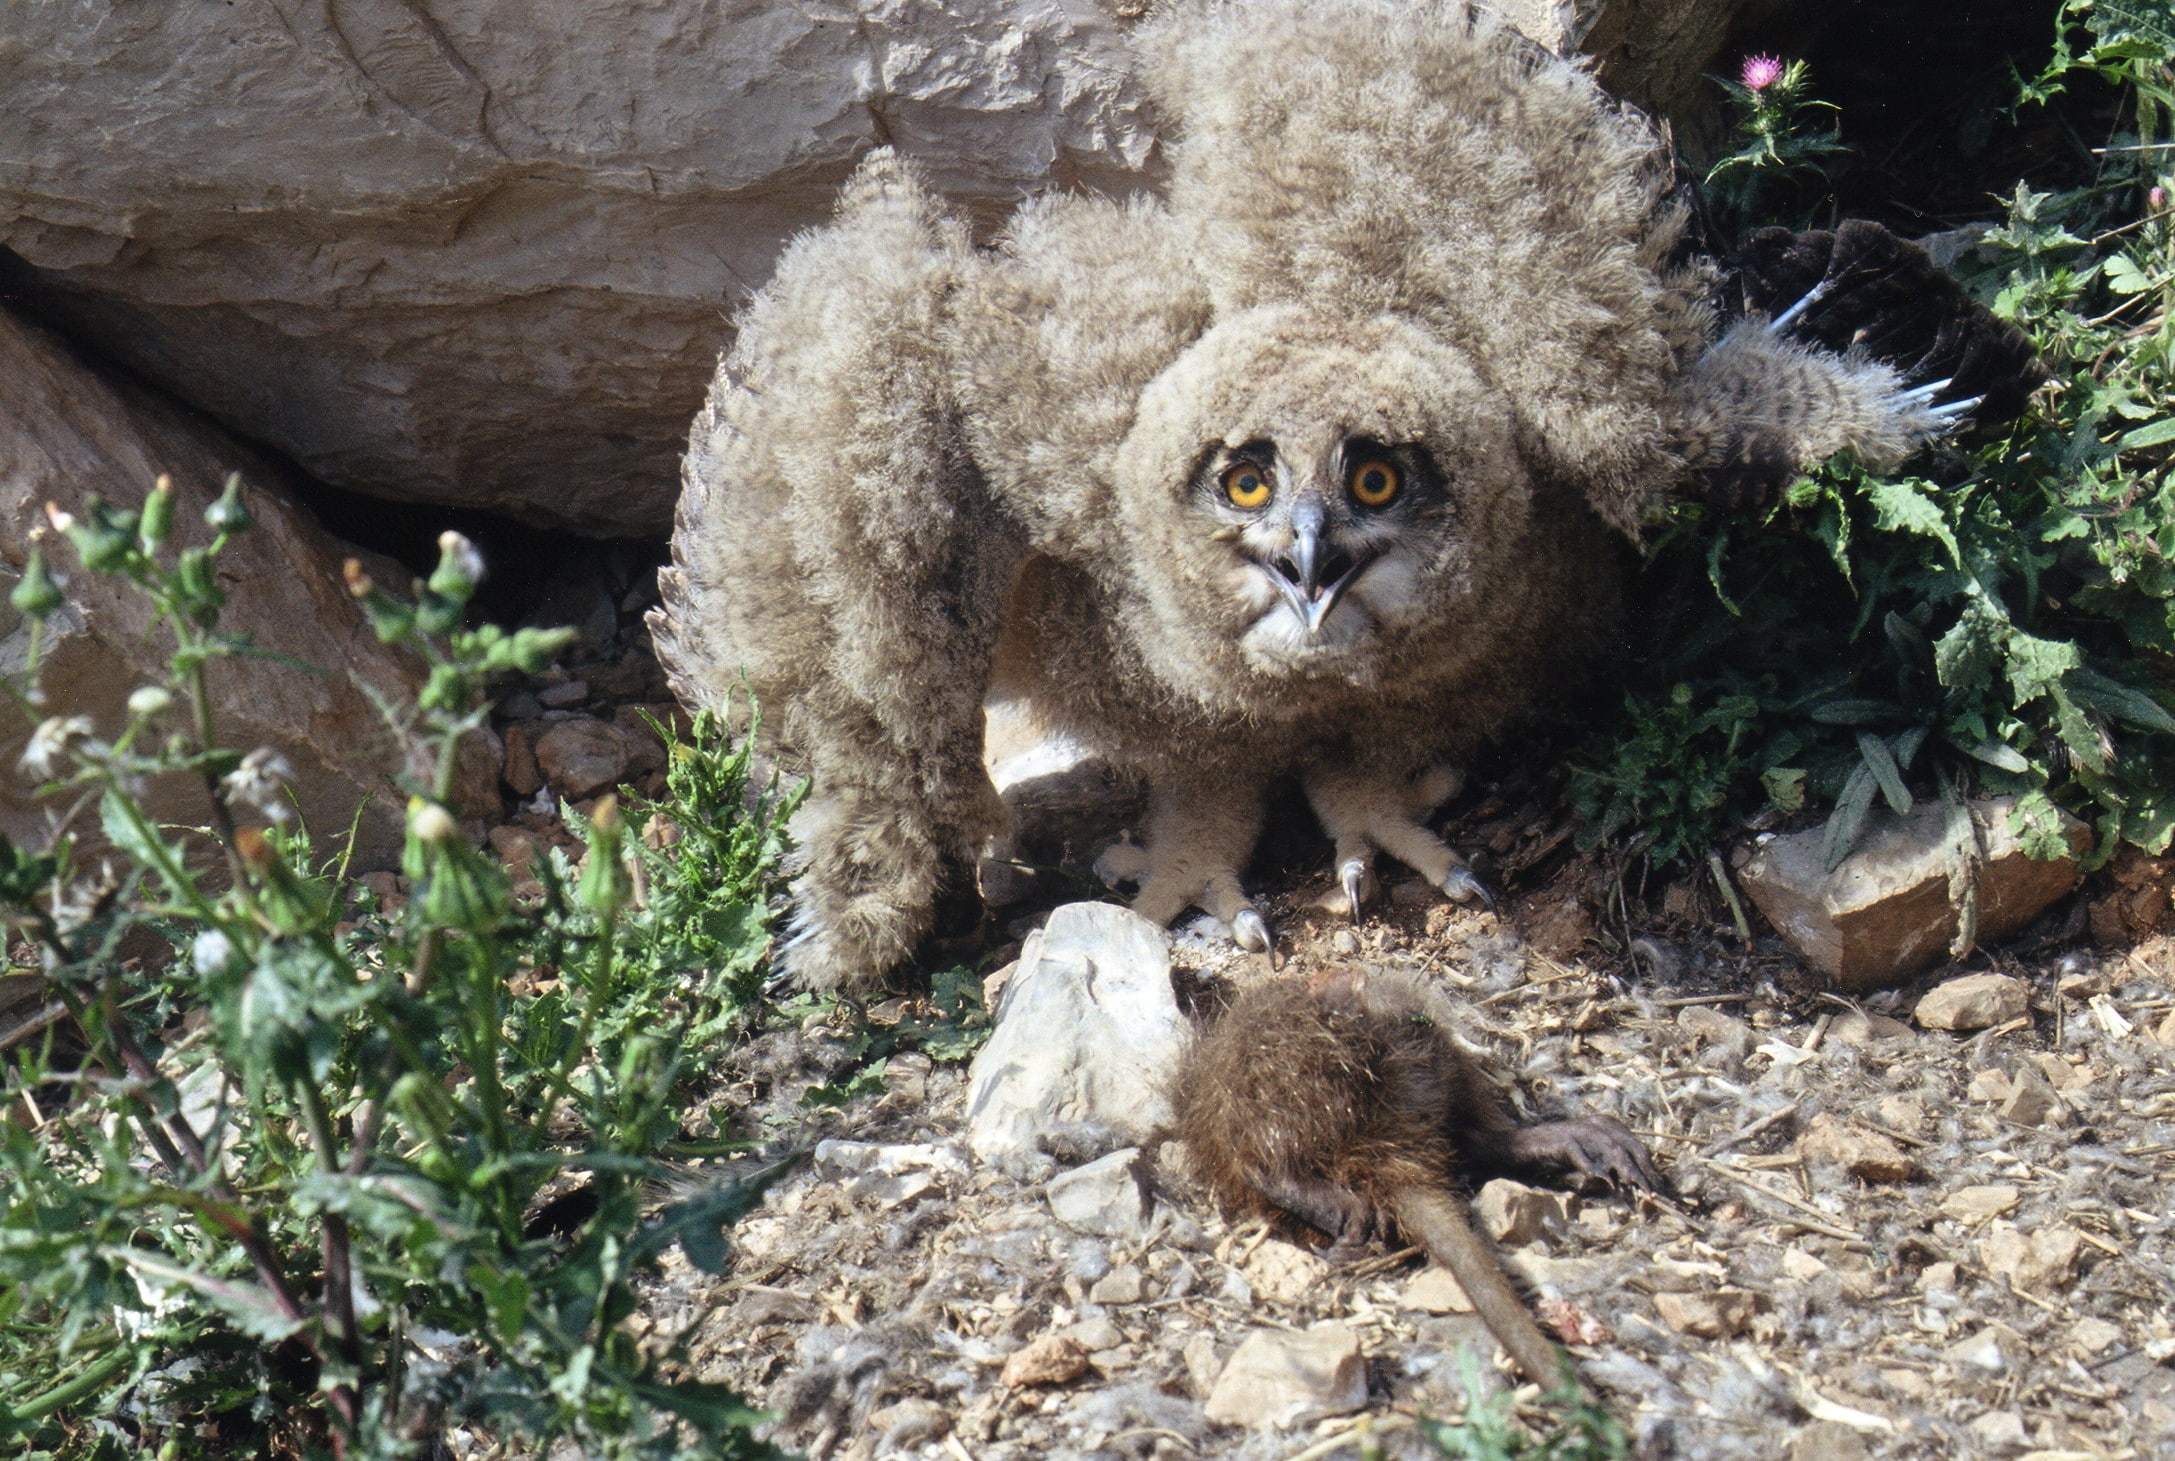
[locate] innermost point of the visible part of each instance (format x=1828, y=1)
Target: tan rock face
x=66, y=433
x=484, y=253
x=1890, y=909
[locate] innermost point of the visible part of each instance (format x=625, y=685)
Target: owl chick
x=1309, y=466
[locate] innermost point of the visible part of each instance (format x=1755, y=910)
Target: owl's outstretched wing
x=837, y=548
x=1852, y=340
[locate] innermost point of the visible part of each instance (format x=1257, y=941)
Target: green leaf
x=1899, y=507
x=250, y=1306
x=2159, y=433
x=1854, y=712
x=2037, y=665
x=1882, y=763
x=1994, y=753
x=2124, y=702
x=2037, y=825
x=1847, y=821
x=1964, y=657
x=1785, y=787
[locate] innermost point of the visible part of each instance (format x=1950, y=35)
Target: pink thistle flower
x=1761, y=72
x=2156, y=200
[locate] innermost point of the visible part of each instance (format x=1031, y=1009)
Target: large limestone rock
x=64, y=434
x=483, y=253
x=474, y=252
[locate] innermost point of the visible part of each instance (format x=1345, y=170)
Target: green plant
x=1776, y=139
x=2004, y=620
x=1578, y=1429
x=285, y=1181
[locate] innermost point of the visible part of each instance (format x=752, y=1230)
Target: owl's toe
x=1462, y=887
x=1250, y=931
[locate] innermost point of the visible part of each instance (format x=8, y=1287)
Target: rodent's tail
x=1438, y=1221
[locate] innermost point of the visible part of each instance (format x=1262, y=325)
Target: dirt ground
x=1884, y=1241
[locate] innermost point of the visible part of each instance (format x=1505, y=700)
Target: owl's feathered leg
x=1198, y=841
x=1365, y=811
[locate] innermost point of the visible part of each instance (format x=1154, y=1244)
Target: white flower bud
x=430, y=822
x=149, y=700
x=211, y=952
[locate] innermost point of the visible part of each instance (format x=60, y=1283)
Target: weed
x=2004, y=620
x=283, y=1186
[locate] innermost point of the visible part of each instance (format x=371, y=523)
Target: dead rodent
x=1338, y=1100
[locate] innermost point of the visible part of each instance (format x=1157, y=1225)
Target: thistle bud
x=460, y=567
x=429, y=822
x=606, y=886
x=103, y=538
x=229, y=514
x=158, y=514
x=2156, y=199
x=37, y=595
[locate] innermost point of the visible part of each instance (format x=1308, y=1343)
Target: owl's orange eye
x=1244, y=486
x=1374, y=483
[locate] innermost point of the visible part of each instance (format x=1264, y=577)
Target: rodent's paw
x=1592, y=1146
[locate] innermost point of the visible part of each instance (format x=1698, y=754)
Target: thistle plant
x=1780, y=134
x=282, y=1154
x=1999, y=621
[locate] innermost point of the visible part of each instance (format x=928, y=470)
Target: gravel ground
x=1885, y=1240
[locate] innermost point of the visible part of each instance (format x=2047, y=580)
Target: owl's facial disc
x=1313, y=532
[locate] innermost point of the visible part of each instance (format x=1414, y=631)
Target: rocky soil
x=1889, y=1239
x=1935, y=1220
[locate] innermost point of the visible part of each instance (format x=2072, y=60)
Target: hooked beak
x=1312, y=575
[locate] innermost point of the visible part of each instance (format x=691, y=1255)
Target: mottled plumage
x=1310, y=465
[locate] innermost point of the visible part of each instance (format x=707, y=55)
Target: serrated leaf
x=1899, y=507
x=2159, y=433
x=2124, y=277
x=1847, y=821
x=1785, y=787
x=1964, y=657
x=249, y=1306
x=2080, y=734
x=2036, y=823
x=2037, y=665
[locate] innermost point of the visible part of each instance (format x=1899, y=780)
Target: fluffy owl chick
x=1308, y=466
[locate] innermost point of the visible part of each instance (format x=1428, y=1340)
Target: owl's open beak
x=1313, y=575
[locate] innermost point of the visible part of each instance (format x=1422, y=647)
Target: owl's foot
x=1196, y=847
x=1366, y=815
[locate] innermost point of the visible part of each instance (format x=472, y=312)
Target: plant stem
x=100, y=1370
